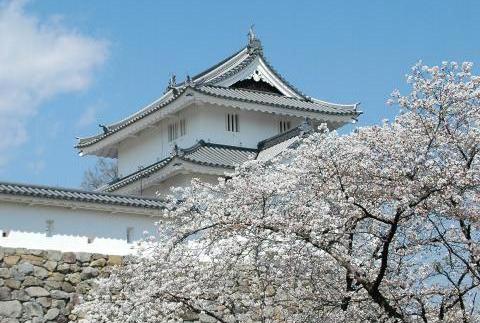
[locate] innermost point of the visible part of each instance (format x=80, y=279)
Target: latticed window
x=232, y=122
x=49, y=229
x=183, y=127
x=129, y=235
x=284, y=125
x=172, y=131
x=177, y=129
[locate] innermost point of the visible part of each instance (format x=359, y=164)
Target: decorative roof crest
x=104, y=128
x=254, y=44
x=172, y=82
x=188, y=80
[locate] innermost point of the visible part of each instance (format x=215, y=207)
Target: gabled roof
x=67, y=194
x=247, y=63
x=202, y=153
x=222, y=74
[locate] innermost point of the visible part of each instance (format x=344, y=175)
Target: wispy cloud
x=38, y=60
x=89, y=115
x=87, y=118
x=36, y=166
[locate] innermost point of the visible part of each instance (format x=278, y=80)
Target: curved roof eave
x=165, y=100
x=239, y=95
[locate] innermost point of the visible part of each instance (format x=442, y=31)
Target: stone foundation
x=44, y=286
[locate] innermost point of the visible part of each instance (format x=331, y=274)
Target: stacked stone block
x=44, y=286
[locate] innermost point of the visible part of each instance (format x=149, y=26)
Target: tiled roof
x=166, y=99
x=226, y=67
x=78, y=195
x=273, y=146
x=229, y=72
x=144, y=172
x=272, y=141
x=207, y=83
x=218, y=155
x=203, y=153
x=277, y=149
x=277, y=100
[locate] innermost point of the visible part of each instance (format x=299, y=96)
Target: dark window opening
x=232, y=122
x=251, y=84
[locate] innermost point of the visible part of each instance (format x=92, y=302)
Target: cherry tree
x=102, y=173
x=381, y=225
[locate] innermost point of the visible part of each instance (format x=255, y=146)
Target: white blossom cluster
x=381, y=225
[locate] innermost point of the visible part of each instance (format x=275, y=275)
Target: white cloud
x=36, y=165
x=38, y=60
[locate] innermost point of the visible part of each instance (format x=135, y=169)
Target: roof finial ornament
x=251, y=34
x=173, y=81
x=253, y=42
x=104, y=128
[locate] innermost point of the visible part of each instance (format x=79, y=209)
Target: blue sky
x=107, y=59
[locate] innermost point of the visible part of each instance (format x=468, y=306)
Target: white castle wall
x=152, y=144
x=205, y=122
x=26, y=226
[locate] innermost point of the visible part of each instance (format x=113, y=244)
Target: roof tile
x=78, y=195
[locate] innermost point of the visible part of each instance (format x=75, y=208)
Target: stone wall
x=44, y=286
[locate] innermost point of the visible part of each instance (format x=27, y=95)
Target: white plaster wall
x=204, y=122
x=254, y=126
x=71, y=228
x=151, y=145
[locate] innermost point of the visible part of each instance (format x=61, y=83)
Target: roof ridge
x=211, y=144
x=75, y=190
x=355, y=105
x=236, y=69
x=144, y=169
x=208, y=70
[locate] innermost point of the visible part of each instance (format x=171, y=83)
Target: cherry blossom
x=380, y=225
